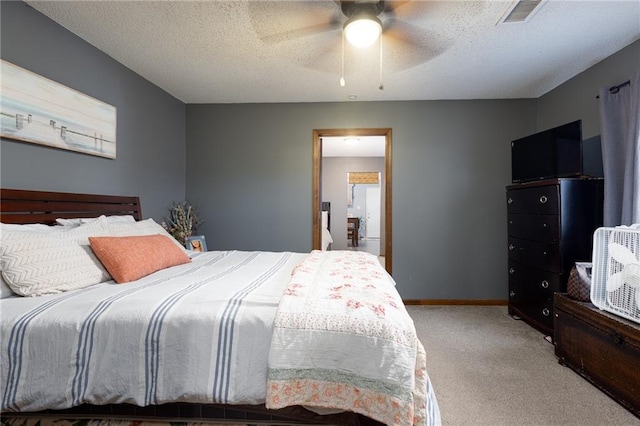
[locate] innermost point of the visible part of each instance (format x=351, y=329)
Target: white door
x=372, y=206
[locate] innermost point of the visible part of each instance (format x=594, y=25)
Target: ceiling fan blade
x=325, y=57
x=404, y=31
x=406, y=45
x=300, y=32
x=281, y=21
x=410, y=9
x=390, y=6
x=414, y=34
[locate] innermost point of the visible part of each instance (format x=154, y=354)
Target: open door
x=317, y=180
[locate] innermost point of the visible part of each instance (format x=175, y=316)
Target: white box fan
x=615, y=279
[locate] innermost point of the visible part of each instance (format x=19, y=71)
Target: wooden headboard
x=24, y=206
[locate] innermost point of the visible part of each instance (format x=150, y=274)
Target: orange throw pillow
x=130, y=258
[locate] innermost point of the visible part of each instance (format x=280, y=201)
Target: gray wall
x=250, y=168
x=150, y=136
x=451, y=162
x=334, y=189
x=576, y=99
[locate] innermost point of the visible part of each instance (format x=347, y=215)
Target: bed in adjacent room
x=114, y=317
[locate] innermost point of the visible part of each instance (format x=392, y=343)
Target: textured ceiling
x=290, y=51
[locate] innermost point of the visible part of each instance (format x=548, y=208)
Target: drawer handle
x=512, y=271
x=511, y=247
x=509, y=200
x=546, y=312
x=512, y=293
x=545, y=284
x=544, y=199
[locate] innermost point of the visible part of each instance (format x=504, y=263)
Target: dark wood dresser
x=601, y=347
x=550, y=227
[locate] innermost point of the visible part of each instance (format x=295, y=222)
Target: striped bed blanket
x=342, y=339
x=202, y=332
x=196, y=333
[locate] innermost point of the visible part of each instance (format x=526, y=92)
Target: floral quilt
x=343, y=340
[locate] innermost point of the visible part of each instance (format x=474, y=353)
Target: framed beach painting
x=38, y=110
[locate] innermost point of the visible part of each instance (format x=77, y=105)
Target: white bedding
x=199, y=332
x=112, y=343
x=343, y=339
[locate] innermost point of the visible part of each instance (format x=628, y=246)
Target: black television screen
x=553, y=153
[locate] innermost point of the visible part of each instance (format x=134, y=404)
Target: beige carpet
x=489, y=369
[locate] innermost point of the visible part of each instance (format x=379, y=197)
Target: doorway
x=385, y=226
x=364, y=195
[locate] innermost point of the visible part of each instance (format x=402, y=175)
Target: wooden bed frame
x=24, y=206
x=18, y=206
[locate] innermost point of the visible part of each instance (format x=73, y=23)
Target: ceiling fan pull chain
x=342, y=82
x=381, y=86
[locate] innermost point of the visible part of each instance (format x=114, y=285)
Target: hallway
x=370, y=245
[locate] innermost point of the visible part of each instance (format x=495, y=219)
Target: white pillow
x=81, y=220
x=5, y=290
x=45, y=262
x=26, y=227
x=143, y=227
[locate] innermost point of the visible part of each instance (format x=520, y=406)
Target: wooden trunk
x=601, y=347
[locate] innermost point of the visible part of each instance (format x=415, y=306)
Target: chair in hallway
x=353, y=225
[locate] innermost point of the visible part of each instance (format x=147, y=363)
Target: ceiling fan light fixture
x=362, y=30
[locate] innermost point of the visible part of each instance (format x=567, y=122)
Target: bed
x=260, y=336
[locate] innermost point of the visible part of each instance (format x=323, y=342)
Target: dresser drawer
x=535, y=253
x=538, y=311
x=533, y=282
x=531, y=292
x=536, y=200
x=543, y=227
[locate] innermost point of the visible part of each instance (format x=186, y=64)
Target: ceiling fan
x=322, y=25
x=363, y=27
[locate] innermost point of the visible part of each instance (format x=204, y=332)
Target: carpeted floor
x=489, y=369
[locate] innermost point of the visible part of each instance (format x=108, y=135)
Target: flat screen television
x=553, y=153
